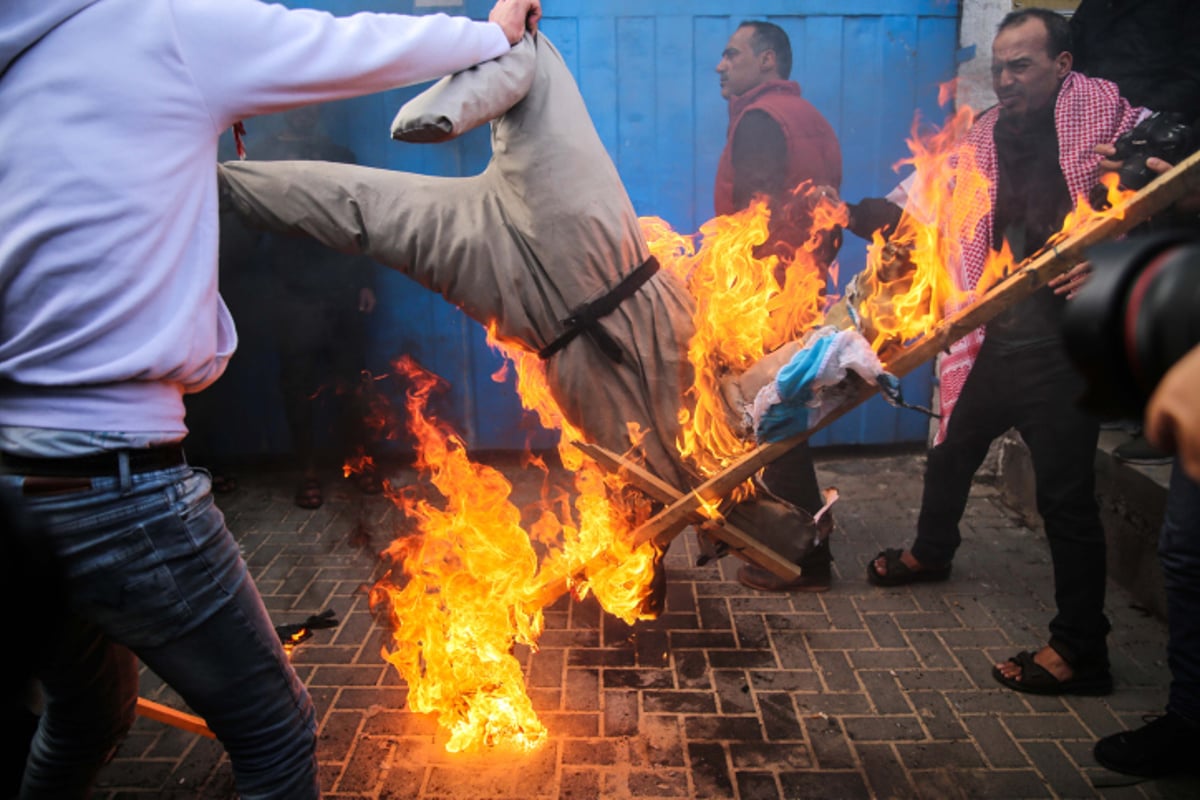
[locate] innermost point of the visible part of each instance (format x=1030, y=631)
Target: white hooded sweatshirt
x=112, y=110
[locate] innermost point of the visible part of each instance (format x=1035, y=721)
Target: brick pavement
x=731, y=693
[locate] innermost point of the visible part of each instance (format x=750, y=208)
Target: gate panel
x=646, y=69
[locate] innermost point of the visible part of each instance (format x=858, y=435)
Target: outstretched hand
x=515, y=16
x=1172, y=421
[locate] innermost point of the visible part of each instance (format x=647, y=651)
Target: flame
x=471, y=582
x=468, y=585
x=464, y=597
x=752, y=296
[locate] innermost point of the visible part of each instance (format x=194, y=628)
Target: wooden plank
x=1030, y=276
x=173, y=717
x=740, y=543
x=597, y=78
x=636, y=112
x=674, y=148
x=709, y=36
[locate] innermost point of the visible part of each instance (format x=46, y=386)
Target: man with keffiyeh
x=1037, y=149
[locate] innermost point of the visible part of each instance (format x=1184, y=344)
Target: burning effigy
x=621, y=332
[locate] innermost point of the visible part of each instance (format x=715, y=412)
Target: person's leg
x=355, y=390
x=154, y=567
x=979, y=417
x=1169, y=743
x=1179, y=552
x=89, y=691
x=793, y=478
x=1062, y=443
x=298, y=340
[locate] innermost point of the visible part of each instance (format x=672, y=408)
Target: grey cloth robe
x=547, y=227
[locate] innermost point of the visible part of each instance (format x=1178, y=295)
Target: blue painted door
x=646, y=71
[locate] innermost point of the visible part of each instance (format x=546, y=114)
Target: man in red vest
x=777, y=141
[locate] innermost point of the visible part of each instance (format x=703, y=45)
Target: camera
x=1136, y=316
x=1161, y=135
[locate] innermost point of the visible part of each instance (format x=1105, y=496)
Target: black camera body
x=1162, y=135
x=1136, y=316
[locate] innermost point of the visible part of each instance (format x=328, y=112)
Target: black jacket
x=1149, y=48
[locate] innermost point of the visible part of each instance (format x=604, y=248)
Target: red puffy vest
x=812, y=146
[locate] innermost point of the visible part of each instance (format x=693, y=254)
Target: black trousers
x=793, y=477
x=1034, y=391
x=322, y=348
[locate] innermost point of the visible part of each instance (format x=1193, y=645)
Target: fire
x=472, y=581
x=468, y=585
x=464, y=598
x=750, y=300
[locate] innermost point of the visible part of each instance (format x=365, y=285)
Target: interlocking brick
x=778, y=714
x=938, y=717
x=994, y=741
x=733, y=692
x=1045, y=726
x=620, y=713
x=843, y=785
x=757, y=786
x=857, y=692
x=1058, y=769
x=883, y=689
x=883, y=729
x=723, y=728
x=679, y=702
x=885, y=774
x=884, y=631
x=710, y=770
x=829, y=744
x=930, y=755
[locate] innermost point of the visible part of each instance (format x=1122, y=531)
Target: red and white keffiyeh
x=1088, y=112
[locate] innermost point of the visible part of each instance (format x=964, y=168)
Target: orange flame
x=470, y=583
x=464, y=598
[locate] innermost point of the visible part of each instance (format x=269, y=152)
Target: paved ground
x=859, y=692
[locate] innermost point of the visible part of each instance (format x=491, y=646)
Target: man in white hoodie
x=109, y=314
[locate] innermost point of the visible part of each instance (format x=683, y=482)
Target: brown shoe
x=812, y=579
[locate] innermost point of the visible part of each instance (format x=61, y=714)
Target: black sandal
x=223, y=484
x=308, y=495
x=900, y=574
x=1036, y=679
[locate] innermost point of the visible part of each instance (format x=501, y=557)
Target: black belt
x=585, y=319
x=97, y=465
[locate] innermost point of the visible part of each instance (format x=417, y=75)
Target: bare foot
x=1047, y=658
x=906, y=558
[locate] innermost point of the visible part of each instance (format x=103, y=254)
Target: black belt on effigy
x=96, y=465
x=586, y=318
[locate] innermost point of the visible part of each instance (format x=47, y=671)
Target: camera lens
x=1136, y=316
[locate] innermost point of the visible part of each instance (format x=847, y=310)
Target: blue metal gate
x=646, y=71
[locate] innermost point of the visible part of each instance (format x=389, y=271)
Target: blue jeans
x=1179, y=553
x=151, y=572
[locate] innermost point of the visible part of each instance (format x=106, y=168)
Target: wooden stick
x=170, y=716
x=739, y=542
x=1030, y=276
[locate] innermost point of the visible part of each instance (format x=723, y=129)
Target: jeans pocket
x=132, y=592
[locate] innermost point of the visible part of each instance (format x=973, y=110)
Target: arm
x=249, y=58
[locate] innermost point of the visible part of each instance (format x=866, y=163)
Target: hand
x=1172, y=422
x=514, y=16
x=1070, y=282
x=1108, y=163
x=366, y=300
x=828, y=193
